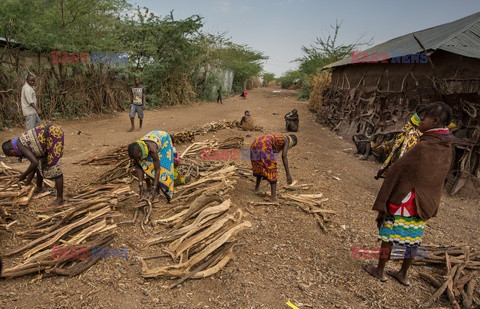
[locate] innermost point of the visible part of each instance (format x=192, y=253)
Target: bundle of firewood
x=219, y=179
x=63, y=240
x=309, y=203
x=118, y=154
x=235, y=142
x=200, y=241
x=120, y=173
x=203, y=150
x=215, y=126
x=461, y=266
x=11, y=191
x=197, y=149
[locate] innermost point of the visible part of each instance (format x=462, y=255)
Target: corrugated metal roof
x=461, y=37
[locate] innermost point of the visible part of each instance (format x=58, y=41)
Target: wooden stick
x=202, y=266
x=442, y=288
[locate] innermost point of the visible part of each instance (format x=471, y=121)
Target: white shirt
x=28, y=97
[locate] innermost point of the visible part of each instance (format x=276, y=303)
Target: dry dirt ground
x=283, y=257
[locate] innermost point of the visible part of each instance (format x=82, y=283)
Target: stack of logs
x=12, y=193
x=199, y=240
x=461, y=265
x=62, y=240
x=351, y=111
x=188, y=136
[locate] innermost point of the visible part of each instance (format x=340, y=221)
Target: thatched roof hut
x=383, y=85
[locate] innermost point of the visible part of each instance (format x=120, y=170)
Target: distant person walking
x=219, y=95
x=244, y=94
x=29, y=103
x=138, y=101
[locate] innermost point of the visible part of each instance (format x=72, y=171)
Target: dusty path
x=285, y=256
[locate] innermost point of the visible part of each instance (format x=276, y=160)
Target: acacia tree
x=316, y=55
x=243, y=61
x=326, y=50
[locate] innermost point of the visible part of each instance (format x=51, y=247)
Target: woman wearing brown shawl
x=412, y=189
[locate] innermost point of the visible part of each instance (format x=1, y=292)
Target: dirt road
x=285, y=256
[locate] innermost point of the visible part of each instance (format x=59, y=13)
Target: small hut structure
x=383, y=85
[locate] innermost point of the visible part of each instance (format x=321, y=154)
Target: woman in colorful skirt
x=43, y=147
x=263, y=154
x=412, y=189
x=153, y=155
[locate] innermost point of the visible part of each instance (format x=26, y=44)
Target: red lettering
x=384, y=253
x=65, y=253
x=205, y=152
x=355, y=252
x=375, y=253
x=55, y=55
x=66, y=58
x=57, y=252
x=235, y=154
x=355, y=56
x=75, y=57
x=73, y=253
x=83, y=57
x=384, y=57
x=83, y=252
x=215, y=155
x=225, y=155
x=374, y=58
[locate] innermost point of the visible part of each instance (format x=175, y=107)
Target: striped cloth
x=403, y=226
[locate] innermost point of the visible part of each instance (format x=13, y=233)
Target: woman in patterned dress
x=153, y=155
x=263, y=155
x=43, y=147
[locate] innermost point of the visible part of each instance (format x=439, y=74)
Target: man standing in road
x=29, y=103
x=138, y=101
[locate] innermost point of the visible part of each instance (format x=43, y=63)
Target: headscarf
x=415, y=120
x=143, y=148
x=15, y=147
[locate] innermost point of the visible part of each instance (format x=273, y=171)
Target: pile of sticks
x=119, y=154
x=214, y=126
x=200, y=241
x=120, y=173
x=63, y=240
x=213, y=178
x=12, y=193
x=461, y=265
x=311, y=204
x=198, y=149
x=235, y=142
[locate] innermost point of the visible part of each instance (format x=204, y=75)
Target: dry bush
x=318, y=84
x=176, y=89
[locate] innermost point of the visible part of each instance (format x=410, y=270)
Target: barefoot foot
x=399, y=277
x=58, y=202
x=373, y=271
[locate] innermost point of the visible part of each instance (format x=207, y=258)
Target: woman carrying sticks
x=263, y=155
x=43, y=147
x=412, y=189
x=153, y=155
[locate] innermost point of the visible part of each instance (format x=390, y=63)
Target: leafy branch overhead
x=323, y=51
x=176, y=59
